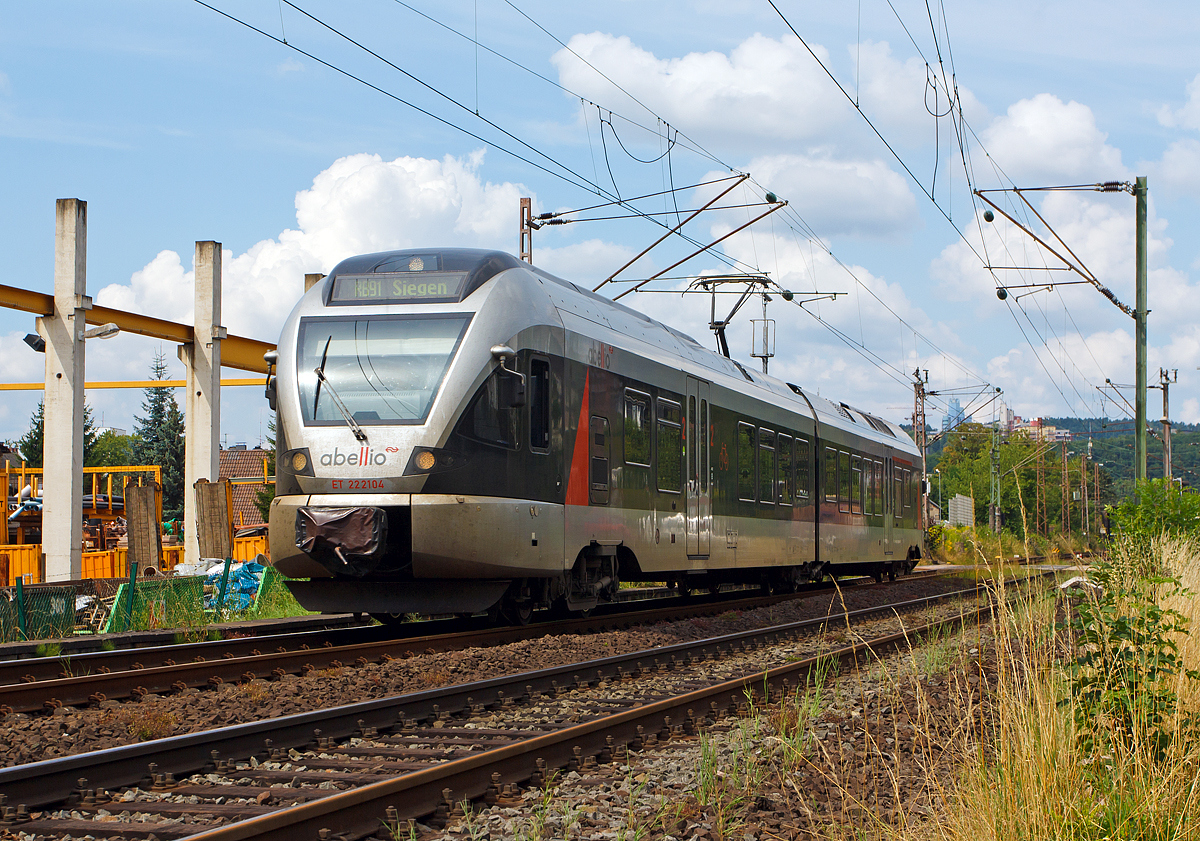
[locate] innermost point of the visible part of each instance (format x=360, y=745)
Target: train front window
x=385, y=369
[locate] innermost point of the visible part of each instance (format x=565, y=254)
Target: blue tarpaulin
x=244, y=581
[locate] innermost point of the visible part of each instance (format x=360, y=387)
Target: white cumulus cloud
x=840, y=196
x=360, y=204
x=766, y=89
x=1043, y=140
x=1188, y=114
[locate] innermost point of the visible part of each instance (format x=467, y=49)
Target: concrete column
x=202, y=358
x=62, y=449
x=312, y=279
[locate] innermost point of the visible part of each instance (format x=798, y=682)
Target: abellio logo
x=364, y=457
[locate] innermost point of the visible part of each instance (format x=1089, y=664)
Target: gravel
x=68, y=731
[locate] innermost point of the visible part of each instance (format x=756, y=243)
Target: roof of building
x=244, y=464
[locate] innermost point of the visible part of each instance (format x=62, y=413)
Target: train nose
x=346, y=541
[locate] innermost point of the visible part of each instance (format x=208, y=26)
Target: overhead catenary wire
x=569, y=175
x=674, y=137
x=672, y=141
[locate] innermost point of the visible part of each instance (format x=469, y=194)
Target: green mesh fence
x=47, y=612
x=160, y=603
x=37, y=613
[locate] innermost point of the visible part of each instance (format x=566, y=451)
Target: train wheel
x=518, y=613
x=390, y=618
x=714, y=589
x=891, y=572
x=878, y=576
x=683, y=588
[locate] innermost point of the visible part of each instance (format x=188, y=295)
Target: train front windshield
x=383, y=369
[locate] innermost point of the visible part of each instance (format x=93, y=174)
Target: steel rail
x=359, y=812
x=133, y=673
x=53, y=780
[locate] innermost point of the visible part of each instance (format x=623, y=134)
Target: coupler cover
x=346, y=541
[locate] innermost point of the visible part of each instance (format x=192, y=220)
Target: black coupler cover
x=346, y=541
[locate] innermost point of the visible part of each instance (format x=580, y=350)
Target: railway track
x=73, y=681
x=342, y=772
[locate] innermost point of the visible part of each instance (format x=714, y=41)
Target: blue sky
x=178, y=124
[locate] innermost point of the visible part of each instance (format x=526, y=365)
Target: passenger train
x=459, y=431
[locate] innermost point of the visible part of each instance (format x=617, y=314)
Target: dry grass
x=1042, y=777
x=976, y=736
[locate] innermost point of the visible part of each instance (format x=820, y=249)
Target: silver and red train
x=459, y=431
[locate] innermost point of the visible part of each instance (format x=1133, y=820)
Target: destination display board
x=398, y=288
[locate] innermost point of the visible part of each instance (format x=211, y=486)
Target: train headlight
x=425, y=460
x=298, y=462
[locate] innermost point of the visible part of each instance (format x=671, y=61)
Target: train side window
x=670, y=445
x=830, y=476
x=802, y=469
x=489, y=419
x=766, y=466
x=868, y=487
x=539, y=405
x=637, y=428
x=704, y=443
x=856, y=485
x=877, y=489
x=787, y=479
x=844, y=482
x=745, y=457
x=908, y=489
x=600, y=473
x=897, y=505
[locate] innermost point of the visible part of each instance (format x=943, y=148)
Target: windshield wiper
x=337, y=401
x=321, y=376
x=341, y=407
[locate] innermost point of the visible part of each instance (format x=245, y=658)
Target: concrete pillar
x=62, y=449
x=312, y=279
x=202, y=359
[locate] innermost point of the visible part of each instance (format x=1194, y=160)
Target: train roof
x=482, y=265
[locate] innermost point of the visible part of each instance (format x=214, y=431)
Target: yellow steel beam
x=143, y=325
x=236, y=351
x=129, y=384
x=22, y=299
x=244, y=354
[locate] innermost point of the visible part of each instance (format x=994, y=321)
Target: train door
x=890, y=501
x=697, y=449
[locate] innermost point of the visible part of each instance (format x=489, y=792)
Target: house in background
x=249, y=466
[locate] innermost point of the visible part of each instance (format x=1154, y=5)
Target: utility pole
x=1083, y=492
x=1139, y=317
x=1039, y=505
x=919, y=430
x=1066, y=491
x=526, y=243
x=1165, y=378
x=994, y=505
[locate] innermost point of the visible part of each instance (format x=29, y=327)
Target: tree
x=158, y=439
x=262, y=499
x=32, y=443
x=110, y=450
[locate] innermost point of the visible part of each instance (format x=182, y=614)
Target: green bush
x=1158, y=508
x=1126, y=673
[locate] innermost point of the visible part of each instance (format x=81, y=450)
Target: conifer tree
x=158, y=438
x=31, y=443
x=262, y=499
